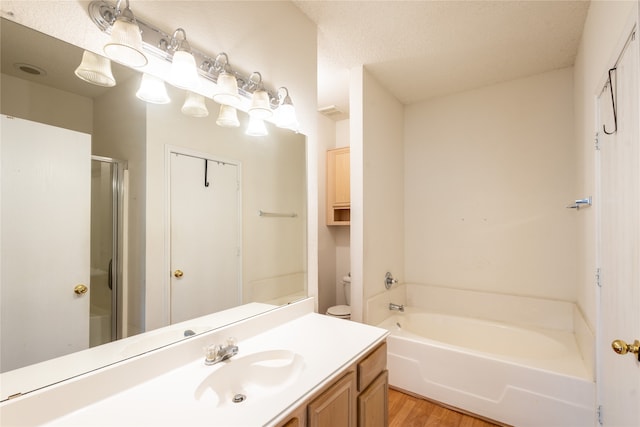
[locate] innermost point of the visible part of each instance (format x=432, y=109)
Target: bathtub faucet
x=396, y=307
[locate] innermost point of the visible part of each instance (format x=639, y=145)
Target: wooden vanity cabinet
x=373, y=388
x=335, y=407
x=338, y=186
x=359, y=397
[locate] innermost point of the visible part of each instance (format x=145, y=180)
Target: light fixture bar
x=158, y=43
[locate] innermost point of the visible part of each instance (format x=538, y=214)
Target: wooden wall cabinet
x=359, y=397
x=338, y=187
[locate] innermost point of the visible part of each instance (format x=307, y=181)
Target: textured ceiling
x=422, y=49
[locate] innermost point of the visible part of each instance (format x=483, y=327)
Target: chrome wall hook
x=580, y=203
x=613, y=104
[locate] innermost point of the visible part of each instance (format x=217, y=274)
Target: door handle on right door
x=621, y=347
x=178, y=273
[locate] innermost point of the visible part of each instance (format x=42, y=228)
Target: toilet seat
x=342, y=311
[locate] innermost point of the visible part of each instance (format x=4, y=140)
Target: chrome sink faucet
x=218, y=353
x=396, y=307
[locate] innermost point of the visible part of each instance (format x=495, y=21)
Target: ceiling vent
x=330, y=110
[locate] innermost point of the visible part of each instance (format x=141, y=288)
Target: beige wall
x=377, y=208
x=326, y=239
x=120, y=133
x=39, y=103
x=604, y=27
x=488, y=175
x=334, y=258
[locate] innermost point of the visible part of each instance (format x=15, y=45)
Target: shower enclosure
x=107, y=269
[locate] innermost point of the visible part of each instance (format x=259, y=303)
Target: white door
x=205, y=236
x=45, y=205
x=620, y=243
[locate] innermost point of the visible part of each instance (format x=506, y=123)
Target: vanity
x=294, y=367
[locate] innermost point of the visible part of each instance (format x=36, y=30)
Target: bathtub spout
x=396, y=307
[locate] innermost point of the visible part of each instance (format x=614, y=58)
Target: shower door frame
x=118, y=266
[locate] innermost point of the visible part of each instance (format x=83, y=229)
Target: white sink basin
x=243, y=380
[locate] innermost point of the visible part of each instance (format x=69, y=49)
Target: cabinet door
x=336, y=406
x=342, y=177
x=373, y=408
x=296, y=419
x=338, y=187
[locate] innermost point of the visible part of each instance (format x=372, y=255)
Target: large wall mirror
x=169, y=217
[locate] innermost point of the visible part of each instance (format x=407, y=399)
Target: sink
x=247, y=379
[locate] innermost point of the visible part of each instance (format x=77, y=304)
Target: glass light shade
x=286, y=117
x=194, y=105
x=152, y=89
x=184, y=73
x=260, y=105
x=95, y=69
x=228, y=117
x=256, y=127
x=125, y=45
x=227, y=90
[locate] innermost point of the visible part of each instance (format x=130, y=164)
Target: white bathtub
x=521, y=376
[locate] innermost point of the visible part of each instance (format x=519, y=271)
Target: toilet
x=343, y=311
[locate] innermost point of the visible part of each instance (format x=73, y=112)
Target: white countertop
x=33, y=377
x=167, y=396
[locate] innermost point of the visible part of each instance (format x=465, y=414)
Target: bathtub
x=517, y=375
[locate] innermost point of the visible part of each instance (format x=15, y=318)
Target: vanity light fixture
x=228, y=117
x=286, y=113
x=260, y=103
x=256, y=127
x=227, y=82
x=95, y=69
x=194, y=105
x=125, y=45
x=184, y=73
x=233, y=88
x=152, y=89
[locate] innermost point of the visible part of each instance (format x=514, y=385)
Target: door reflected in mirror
x=125, y=254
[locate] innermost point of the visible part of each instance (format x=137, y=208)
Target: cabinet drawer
x=371, y=366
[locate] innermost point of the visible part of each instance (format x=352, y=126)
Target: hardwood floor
x=409, y=411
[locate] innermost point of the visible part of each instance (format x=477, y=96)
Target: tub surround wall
x=488, y=174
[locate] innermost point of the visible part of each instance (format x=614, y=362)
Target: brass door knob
x=80, y=289
x=621, y=347
x=178, y=273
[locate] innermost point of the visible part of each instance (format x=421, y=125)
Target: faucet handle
x=389, y=280
x=211, y=353
x=231, y=341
